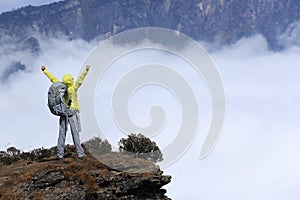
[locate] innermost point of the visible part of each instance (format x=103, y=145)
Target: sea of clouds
x=257, y=155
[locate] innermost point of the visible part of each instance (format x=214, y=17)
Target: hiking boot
x=58, y=158
x=82, y=158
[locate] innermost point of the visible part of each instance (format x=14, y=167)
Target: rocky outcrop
x=71, y=178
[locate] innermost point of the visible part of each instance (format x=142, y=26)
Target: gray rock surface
x=70, y=178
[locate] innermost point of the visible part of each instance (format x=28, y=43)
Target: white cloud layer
x=257, y=156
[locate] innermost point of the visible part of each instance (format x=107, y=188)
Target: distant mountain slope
x=225, y=20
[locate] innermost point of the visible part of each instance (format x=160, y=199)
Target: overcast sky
x=8, y=5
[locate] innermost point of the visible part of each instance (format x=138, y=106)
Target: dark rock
x=32, y=44
x=12, y=68
x=47, y=178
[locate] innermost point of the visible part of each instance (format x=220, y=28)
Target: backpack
x=57, y=94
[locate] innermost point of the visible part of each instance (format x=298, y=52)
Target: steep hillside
x=225, y=20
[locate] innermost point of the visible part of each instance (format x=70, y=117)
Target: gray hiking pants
x=74, y=122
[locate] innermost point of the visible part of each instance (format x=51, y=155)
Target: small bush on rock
x=97, y=146
x=141, y=147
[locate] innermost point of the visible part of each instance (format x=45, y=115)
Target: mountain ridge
x=224, y=20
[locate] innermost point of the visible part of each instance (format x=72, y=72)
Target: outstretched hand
x=87, y=68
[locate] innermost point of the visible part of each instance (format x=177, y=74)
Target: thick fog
x=257, y=155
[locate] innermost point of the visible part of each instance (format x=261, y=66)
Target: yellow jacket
x=68, y=80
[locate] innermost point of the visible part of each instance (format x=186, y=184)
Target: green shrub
x=40, y=153
x=13, y=151
x=97, y=146
x=141, y=147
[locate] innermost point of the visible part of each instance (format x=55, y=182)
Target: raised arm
x=52, y=78
x=79, y=81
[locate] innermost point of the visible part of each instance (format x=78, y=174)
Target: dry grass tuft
x=38, y=196
x=7, y=195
